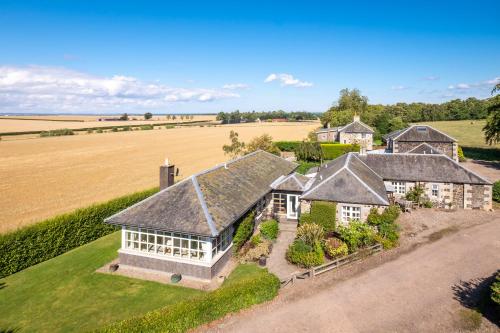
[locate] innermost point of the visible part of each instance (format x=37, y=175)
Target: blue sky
x=193, y=57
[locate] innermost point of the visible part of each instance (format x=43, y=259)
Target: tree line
x=388, y=118
x=238, y=117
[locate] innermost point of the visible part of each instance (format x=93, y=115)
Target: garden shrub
x=334, y=248
x=304, y=166
x=333, y=150
x=36, y=243
x=305, y=218
x=495, y=290
x=310, y=233
x=309, y=151
x=244, y=229
x=415, y=194
x=255, y=240
x=304, y=255
x=460, y=153
x=386, y=225
x=323, y=213
x=357, y=234
x=269, y=229
x=287, y=145
x=261, y=249
x=188, y=314
x=496, y=191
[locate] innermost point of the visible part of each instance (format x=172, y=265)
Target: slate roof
x=294, y=182
x=347, y=179
x=423, y=133
x=424, y=148
x=208, y=202
x=424, y=168
x=354, y=127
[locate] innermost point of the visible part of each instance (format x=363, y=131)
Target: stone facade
x=458, y=196
x=478, y=196
x=450, y=149
x=363, y=139
x=327, y=135
x=205, y=272
x=305, y=207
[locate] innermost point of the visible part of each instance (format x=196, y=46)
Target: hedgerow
x=287, y=145
x=322, y=213
x=244, y=230
x=34, y=244
x=496, y=191
x=333, y=150
x=185, y=315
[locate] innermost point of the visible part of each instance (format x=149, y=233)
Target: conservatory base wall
x=170, y=266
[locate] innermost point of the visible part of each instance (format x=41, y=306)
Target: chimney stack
x=356, y=117
x=166, y=175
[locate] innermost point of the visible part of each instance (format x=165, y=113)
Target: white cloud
x=431, y=78
x=287, y=80
x=399, y=88
x=234, y=86
x=55, y=89
x=487, y=84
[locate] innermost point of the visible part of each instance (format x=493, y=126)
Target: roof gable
x=424, y=148
x=356, y=127
x=424, y=133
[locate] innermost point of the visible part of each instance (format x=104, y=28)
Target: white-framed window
x=169, y=244
x=399, y=187
x=279, y=203
x=221, y=242
x=435, y=190
x=351, y=213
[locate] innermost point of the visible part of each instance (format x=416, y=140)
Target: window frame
x=435, y=187
x=399, y=187
x=350, y=213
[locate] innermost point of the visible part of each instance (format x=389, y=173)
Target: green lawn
x=65, y=293
x=469, y=133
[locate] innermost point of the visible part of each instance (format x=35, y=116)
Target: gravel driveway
x=409, y=291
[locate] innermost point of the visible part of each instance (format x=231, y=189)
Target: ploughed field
x=44, y=177
x=46, y=123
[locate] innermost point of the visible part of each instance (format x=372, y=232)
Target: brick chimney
x=166, y=175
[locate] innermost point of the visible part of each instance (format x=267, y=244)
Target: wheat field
x=43, y=177
x=46, y=123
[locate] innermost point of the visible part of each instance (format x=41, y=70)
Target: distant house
x=188, y=227
x=356, y=132
x=421, y=139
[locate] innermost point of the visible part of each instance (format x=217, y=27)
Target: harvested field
x=43, y=177
x=46, y=123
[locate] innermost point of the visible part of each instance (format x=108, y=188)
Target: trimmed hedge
x=333, y=150
x=244, y=230
x=269, y=229
x=322, y=213
x=496, y=191
x=185, y=315
x=36, y=243
x=287, y=145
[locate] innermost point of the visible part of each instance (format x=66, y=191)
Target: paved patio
x=276, y=263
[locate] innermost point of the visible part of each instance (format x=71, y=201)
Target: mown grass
x=65, y=294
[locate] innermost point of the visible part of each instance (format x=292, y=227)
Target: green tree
x=124, y=116
x=148, y=115
x=492, y=127
x=236, y=148
x=263, y=142
x=349, y=103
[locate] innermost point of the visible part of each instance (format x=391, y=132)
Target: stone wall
x=477, y=196
x=327, y=136
x=170, y=266
x=458, y=196
x=447, y=148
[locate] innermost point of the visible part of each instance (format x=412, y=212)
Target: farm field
x=469, y=133
x=46, y=123
x=44, y=177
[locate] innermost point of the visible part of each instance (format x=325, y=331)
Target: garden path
x=277, y=263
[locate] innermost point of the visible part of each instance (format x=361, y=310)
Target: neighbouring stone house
x=356, y=132
x=188, y=227
x=420, y=139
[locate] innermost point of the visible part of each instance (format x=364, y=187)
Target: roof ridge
x=367, y=186
x=359, y=159
x=449, y=136
x=203, y=204
x=402, y=132
x=327, y=178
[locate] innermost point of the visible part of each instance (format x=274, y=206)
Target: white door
x=292, y=206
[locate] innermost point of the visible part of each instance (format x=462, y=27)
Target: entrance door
x=292, y=206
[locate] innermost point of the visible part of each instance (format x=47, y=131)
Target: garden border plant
x=36, y=243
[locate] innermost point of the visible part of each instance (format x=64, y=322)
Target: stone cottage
x=356, y=132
